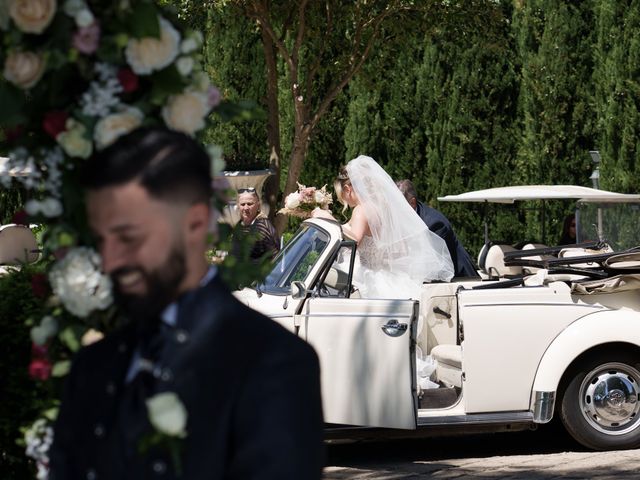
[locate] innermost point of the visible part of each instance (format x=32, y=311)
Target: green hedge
x=22, y=398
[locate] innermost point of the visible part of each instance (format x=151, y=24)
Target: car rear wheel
x=600, y=407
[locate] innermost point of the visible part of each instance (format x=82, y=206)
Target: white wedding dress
x=401, y=253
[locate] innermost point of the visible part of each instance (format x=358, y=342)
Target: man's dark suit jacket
x=251, y=390
x=439, y=224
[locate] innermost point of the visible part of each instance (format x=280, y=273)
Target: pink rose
x=128, y=80
x=40, y=369
x=86, y=39
x=54, y=122
x=307, y=195
x=39, y=351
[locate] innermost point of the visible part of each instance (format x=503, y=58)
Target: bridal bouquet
x=305, y=200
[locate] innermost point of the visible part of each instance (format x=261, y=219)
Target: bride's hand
x=321, y=213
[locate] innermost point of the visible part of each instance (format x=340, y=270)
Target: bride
x=396, y=249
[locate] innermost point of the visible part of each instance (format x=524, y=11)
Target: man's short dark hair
x=407, y=189
x=168, y=164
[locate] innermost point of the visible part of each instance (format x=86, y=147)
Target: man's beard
x=162, y=288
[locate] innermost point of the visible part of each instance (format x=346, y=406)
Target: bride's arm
x=357, y=227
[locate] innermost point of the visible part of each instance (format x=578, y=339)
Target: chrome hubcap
x=609, y=398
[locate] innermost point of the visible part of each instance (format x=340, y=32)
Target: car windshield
x=615, y=223
x=296, y=260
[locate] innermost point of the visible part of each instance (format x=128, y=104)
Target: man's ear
x=414, y=203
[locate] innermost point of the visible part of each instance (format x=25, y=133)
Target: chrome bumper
x=542, y=404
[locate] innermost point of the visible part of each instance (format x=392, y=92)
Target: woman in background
x=568, y=230
x=255, y=224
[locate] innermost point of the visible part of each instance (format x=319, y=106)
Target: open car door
x=367, y=359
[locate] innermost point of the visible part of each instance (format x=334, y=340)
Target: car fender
x=599, y=328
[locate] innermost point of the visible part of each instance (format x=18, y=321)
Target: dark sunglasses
x=247, y=190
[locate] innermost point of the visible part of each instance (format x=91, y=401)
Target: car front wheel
x=600, y=407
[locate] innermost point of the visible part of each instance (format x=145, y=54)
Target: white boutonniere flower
x=167, y=414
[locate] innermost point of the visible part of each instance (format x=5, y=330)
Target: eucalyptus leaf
x=61, y=368
x=51, y=413
x=71, y=336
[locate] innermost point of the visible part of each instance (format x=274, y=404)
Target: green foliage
x=554, y=45
x=22, y=398
x=617, y=92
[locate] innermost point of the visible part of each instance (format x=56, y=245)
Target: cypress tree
x=617, y=92
x=554, y=43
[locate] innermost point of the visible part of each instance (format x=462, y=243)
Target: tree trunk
x=298, y=154
x=273, y=123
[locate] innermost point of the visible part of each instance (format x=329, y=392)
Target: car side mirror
x=298, y=290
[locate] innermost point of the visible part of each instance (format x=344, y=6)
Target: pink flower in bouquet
x=54, y=122
x=39, y=352
x=128, y=80
x=40, y=369
x=87, y=39
x=307, y=195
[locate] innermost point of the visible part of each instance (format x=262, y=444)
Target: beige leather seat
x=18, y=245
x=535, y=246
x=449, y=369
x=494, y=262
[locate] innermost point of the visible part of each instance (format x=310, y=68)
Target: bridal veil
x=402, y=239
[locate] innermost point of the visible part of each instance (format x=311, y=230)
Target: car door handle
x=439, y=311
x=393, y=328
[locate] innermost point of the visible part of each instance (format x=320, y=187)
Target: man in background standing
x=439, y=224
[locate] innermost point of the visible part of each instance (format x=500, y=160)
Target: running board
x=477, y=419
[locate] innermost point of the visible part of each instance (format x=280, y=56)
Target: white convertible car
x=544, y=332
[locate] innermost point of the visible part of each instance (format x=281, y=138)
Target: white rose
x=72, y=7
x=32, y=16
x=318, y=196
x=186, y=112
x=145, y=55
x=292, y=201
x=32, y=207
x=23, y=69
x=74, y=141
x=109, y=128
x=77, y=281
x=201, y=81
x=39, y=336
x=84, y=18
x=185, y=65
x=51, y=207
x=167, y=414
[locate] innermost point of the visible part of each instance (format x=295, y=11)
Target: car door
x=367, y=359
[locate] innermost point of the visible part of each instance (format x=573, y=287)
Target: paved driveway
x=544, y=454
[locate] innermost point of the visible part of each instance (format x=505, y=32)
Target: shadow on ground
x=473, y=456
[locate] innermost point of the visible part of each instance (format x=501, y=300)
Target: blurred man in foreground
x=196, y=385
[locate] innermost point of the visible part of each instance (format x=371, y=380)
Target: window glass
x=336, y=281
x=296, y=260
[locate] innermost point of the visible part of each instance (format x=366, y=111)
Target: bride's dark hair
x=338, y=184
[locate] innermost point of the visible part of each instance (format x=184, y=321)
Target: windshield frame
x=285, y=288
